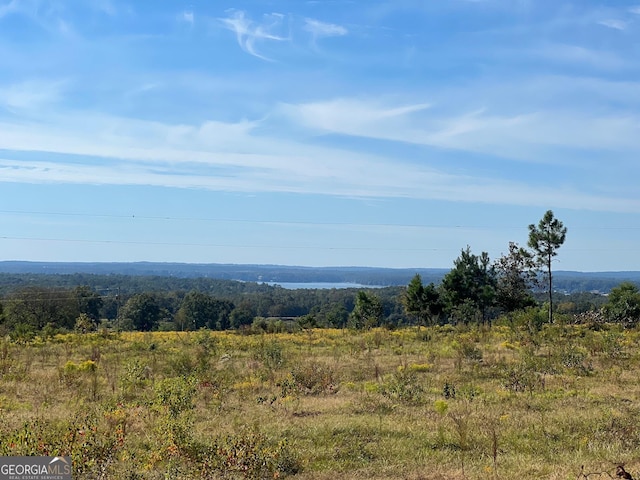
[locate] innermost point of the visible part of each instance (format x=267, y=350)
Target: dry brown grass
x=440, y=403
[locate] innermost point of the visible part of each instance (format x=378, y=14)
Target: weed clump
x=314, y=378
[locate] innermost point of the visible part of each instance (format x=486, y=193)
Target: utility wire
x=274, y=247
x=293, y=222
x=218, y=245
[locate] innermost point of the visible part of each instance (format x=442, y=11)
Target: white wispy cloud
x=613, y=23
x=511, y=122
x=249, y=32
x=31, y=94
x=341, y=177
x=321, y=29
x=352, y=116
x=143, y=88
x=187, y=16
x=51, y=16
x=531, y=135
x=537, y=136
x=135, y=152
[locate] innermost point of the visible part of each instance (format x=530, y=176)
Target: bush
x=404, y=386
x=91, y=443
x=270, y=354
x=314, y=378
x=575, y=359
x=135, y=376
x=175, y=394
x=253, y=456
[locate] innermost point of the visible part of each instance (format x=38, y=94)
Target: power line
x=274, y=247
x=235, y=220
x=216, y=245
x=293, y=222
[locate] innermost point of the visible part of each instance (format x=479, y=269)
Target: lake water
x=319, y=285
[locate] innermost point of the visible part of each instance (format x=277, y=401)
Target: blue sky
x=321, y=133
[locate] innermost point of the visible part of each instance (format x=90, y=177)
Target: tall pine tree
x=545, y=239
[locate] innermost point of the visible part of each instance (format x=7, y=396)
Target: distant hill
x=602, y=282
x=246, y=273
x=566, y=281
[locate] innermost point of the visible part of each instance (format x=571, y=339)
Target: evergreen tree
x=469, y=288
x=367, y=312
x=424, y=304
x=545, y=239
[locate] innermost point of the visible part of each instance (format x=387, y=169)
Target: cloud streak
x=31, y=94
x=529, y=135
x=133, y=152
x=364, y=140
x=320, y=29
x=342, y=178
x=613, y=23
x=250, y=33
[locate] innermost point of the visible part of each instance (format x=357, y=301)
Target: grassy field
x=434, y=403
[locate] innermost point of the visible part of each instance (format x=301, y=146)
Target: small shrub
x=420, y=367
x=441, y=406
x=206, y=348
x=314, y=378
x=270, y=354
x=182, y=363
x=91, y=443
x=84, y=324
x=135, y=375
x=22, y=333
x=449, y=390
x=575, y=359
x=403, y=386
x=520, y=378
x=175, y=394
x=372, y=387
x=467, y=350
x=253, y=456
x=72, y=373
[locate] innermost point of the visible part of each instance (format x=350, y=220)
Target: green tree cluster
x=141, y=312
x=477, y=290
x=32, y=308
x=200, y=310
x=624, y=305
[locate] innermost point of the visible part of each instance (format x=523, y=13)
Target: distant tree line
x=369, y=276
x=34, y=309
x=475, y=290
